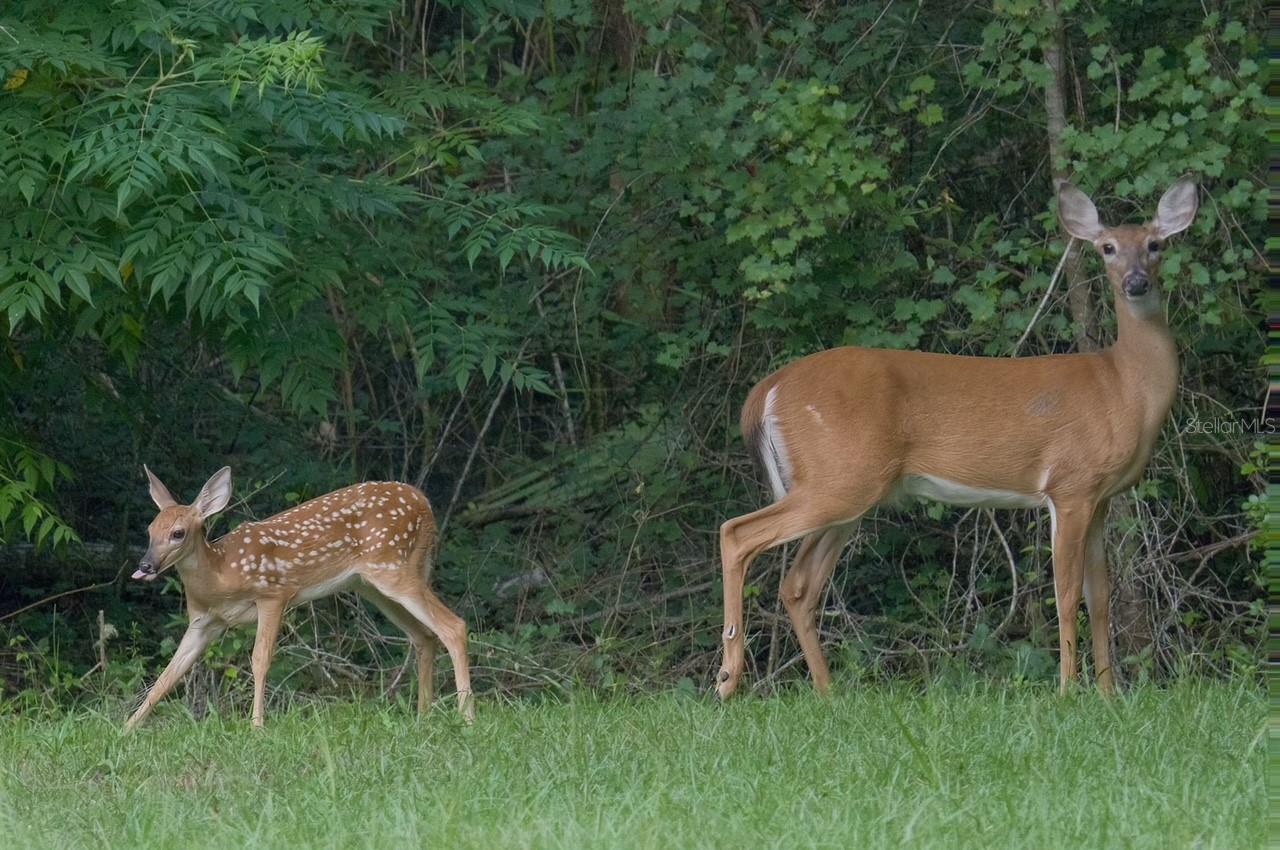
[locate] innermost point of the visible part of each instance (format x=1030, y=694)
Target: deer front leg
x=1097, y=596
x=200, y=633
x=1071, y=529
x=270, y=612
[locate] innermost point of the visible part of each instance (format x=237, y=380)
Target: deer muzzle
x=146, y=570
x=1136, y=284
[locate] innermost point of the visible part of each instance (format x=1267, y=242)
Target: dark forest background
x=531, y=255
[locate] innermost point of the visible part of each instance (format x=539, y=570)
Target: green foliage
x=27, y=479
x=211, y=166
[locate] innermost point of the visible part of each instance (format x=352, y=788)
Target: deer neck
x=1146, y=357
x=201, y=571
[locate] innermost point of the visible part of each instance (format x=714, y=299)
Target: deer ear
x=215, y=494
x=1077, y=213
x=1177, y=208
x=159, y=493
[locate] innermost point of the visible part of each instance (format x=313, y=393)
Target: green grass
x=986, y=767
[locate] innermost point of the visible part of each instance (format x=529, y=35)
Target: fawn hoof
x=727, y=684
x=467, y=706
x=132, y=723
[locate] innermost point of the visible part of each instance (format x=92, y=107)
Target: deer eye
x=1153, y=246
x=1108, y=249
x=178, y=534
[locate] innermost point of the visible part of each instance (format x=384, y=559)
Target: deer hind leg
x=425, y=645
x=745, y=537
x=802, y=589
x=1097, y=597
x=1071, y=530
x=412, y=594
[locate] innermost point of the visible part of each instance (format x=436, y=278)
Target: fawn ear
x=1177, y=208
x=1077, y=213
x=159, y=493
x=215, y=494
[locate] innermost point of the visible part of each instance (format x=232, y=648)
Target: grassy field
x=988, y=767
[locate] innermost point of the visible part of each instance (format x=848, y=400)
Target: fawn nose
x=1136, y=283
x=146, y=568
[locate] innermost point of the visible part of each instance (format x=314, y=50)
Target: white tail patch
x=773, y=450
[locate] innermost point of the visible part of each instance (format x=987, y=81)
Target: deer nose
x=146, y=569
x=1136, y=284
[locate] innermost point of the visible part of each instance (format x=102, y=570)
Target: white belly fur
x=326, y=588
x=953, y=493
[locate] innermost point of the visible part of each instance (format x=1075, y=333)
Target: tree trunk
x=1079, y=296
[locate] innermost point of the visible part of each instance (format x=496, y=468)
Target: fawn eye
x=178, y=534
x=1153, y=246
x=1108, y=249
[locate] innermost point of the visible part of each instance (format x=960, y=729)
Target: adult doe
x=843, y=430
x=375, y=538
